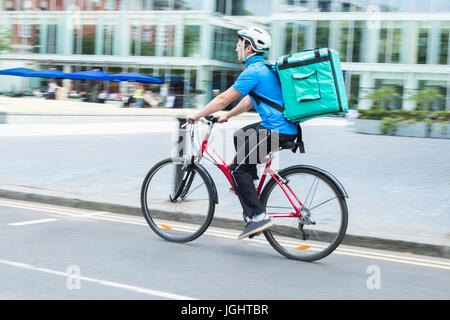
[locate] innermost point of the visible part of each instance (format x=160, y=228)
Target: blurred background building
x=396, y=48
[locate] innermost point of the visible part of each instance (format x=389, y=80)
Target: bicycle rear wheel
x=177, y=201
x=322, y=222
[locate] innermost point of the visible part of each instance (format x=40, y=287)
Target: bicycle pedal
x=254, y=235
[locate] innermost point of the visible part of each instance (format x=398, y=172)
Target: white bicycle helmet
x=259, y=38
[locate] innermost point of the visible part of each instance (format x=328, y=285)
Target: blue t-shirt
x=258, y=78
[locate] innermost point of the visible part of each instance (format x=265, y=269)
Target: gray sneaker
x=254, y=227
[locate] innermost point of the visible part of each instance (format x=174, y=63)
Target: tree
x=425, y=98
x=5, y=38
x=382, y=97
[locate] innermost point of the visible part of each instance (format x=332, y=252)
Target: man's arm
x=217, y=104
x=244, y=105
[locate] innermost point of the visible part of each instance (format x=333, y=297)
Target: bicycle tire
x=271, y=185
x=151, y=215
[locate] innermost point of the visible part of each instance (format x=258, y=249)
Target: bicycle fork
x=183, y=185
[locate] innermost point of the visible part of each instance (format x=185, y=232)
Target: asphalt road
x=49, y=252
x=398, y=186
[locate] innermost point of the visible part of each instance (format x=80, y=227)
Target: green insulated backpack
x=312, y=84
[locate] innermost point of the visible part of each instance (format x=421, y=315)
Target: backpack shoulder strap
x=258, y=100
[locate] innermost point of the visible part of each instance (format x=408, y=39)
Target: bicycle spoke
x=195, y=209
x=307, y=196
x=323, y=221
x=193, y=190
x=320, y=204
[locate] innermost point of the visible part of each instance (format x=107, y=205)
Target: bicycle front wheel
x=319, y=227
x=177, y=201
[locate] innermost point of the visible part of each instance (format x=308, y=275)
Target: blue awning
x=174, y=79
x=132, y=76
x=89, y=75
x=52, y=73
x=21, y=72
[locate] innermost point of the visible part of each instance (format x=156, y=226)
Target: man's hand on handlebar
x=223, y=118
x=215, y=119
x=192, y=118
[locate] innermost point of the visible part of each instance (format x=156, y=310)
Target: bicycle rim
x=322, y=222
x=177, y=203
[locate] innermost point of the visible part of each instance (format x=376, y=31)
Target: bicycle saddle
x=288, y=145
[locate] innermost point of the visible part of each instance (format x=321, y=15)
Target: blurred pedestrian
x=102, y=97
x=51, y=90
x=138, y=95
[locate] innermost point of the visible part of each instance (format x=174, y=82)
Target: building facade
x=382, y=43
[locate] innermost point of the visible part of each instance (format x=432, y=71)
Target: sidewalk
x=398, y=187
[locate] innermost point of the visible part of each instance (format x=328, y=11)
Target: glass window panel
x=322, y=34
x=443, y=50
x=382, y=45
x=344, y=43
x=108, y=39
x=169, y=41
x=193, y=4
x=396, y=44
x=324, y=5
x=357, y=38
x=51, y=38
x=422, y=46
x=191, y=43
x=294, y=38
x=88, y=39
x=143, y=40
x=257, y=8
x=224, y=44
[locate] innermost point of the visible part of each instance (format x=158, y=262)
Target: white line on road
x=24, y=223
x=341, y=250
x=149, y=292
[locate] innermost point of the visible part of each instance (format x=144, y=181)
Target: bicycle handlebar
x=205, y=120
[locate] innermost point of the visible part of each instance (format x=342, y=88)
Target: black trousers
x=252, y=144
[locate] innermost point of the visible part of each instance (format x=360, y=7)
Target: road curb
x=440, y=251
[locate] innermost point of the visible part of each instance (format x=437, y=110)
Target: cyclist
x=260, y=87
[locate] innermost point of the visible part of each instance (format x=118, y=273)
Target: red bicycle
x=306, y=204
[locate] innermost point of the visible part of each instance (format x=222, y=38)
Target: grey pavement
x=398, y=187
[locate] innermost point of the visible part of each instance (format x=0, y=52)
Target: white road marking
x=24, y=223
x=229, y=234
x=146, y=291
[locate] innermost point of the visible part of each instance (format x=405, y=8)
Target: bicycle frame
x=225, y=168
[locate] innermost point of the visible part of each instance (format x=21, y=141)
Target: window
x=422, y=46
x=444, y=48
x=191, y=41
x=142, y=40
x=24, y=31
x=88, y=39
x=295, y=38
x=110, y=4
x=354, y=91
x=324, y=5
x=322, y=34
x=108, y=39
x=350, y=44
x=224, y=44
x=51, y=38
